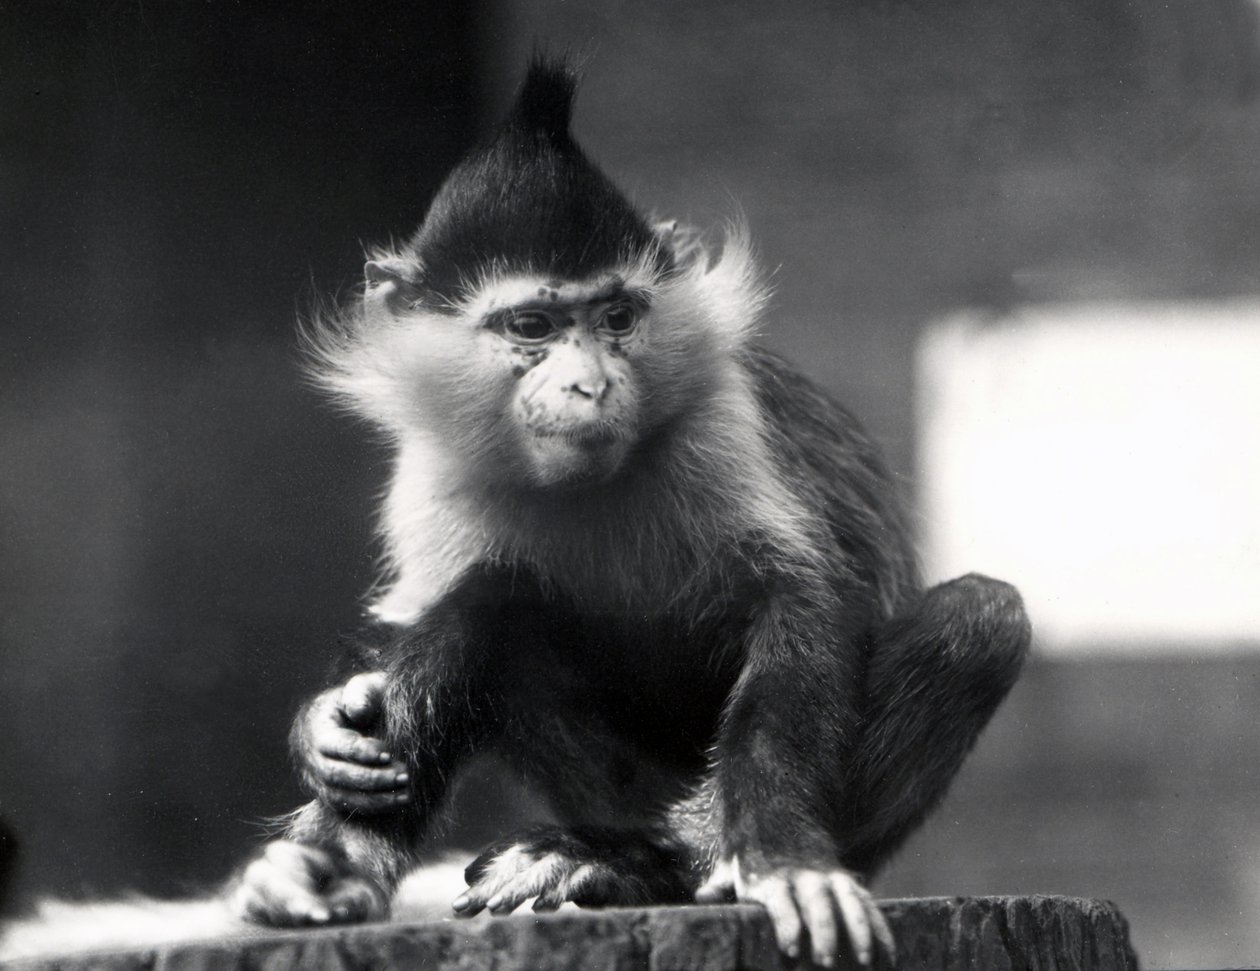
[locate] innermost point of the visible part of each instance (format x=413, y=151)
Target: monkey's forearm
x=787, y=736
x=438, y=704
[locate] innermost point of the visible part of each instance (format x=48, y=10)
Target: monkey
x=661, y=574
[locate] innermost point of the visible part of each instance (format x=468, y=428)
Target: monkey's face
x=532, y=383
x=564, y=354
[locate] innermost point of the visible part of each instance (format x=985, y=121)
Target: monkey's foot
x=811, y=909
x=590, y=867
x=294, y=884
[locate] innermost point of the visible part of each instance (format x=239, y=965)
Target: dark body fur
x=765, y=716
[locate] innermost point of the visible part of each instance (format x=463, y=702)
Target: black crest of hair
x=529, y=201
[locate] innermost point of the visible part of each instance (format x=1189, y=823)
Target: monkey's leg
x=781, y=764
x=936, y=675
x=438, y=709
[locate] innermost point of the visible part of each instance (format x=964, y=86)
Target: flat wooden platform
x=933, y=934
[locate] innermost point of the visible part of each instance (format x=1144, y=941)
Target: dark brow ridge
x=610, y=292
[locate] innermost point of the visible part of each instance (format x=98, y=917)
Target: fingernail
x=384, y=757
x=402, y=778
x=319, y=915
x=401, y=797
x=461, y=902
x=495, y=902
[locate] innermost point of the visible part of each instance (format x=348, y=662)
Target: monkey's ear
x=379, y=271
x=680, y=245
x=390, y=282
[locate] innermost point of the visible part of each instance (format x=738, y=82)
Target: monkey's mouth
x=589, y=453
x=595, y=436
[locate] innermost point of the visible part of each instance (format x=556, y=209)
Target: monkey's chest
x=658, y=682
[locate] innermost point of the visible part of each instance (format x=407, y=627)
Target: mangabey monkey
x=653, y=568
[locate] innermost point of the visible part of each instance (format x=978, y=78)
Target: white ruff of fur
x=716, y=488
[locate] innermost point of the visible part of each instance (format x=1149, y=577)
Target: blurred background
x=1021, y=240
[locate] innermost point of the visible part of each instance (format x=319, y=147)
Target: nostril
x=589, y=389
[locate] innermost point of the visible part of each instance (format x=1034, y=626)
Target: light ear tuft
x=385, y=270
x=391, y=283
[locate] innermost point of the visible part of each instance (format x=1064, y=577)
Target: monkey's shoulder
x=836, y=469
x=804, y=419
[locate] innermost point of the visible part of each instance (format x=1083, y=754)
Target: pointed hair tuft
x=545, y=102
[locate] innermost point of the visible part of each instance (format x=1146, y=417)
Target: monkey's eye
x=619, y=320
x=530, y=327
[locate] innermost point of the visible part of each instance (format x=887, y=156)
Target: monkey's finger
x=354, y=800
x=886, y=946
x=514, y=878
x=775, y=894
x=351, y=746
x=550, y=899
x=506, y=901
x=355, y=899
x=469, y=903
x=360, y=702
x=720, y=887
x=481, y=886
x=279, y=904
x=352, y=775
x=818, y=911
x=856, y=906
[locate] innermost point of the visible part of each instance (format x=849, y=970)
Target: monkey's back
x=838, y=472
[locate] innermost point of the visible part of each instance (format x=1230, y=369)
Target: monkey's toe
x=587, y=867
x=502, y=881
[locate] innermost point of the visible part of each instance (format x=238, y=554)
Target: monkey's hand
x=344, y=765
x=293, y=884
x=826, y=910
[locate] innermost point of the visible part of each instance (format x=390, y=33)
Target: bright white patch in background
x=1106, y=459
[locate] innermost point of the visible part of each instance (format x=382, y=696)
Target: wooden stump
x=933, y=934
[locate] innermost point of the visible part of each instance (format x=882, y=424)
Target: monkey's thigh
x=936, y=674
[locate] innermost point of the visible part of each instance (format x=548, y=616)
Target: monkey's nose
x=594, y=389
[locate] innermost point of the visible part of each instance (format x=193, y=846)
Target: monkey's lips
x=583, y=436
x=584, y=453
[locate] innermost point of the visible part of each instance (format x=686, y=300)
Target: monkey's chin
x=560, y=461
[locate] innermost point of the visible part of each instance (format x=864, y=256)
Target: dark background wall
x=184, y=526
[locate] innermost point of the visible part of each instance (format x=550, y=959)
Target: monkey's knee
x=938, y=673
x=982, y=626
x=963, y=645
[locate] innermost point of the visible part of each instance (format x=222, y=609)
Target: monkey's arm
x=782, y=756
x=340, y=758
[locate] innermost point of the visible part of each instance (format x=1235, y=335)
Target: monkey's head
x=537, y=331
